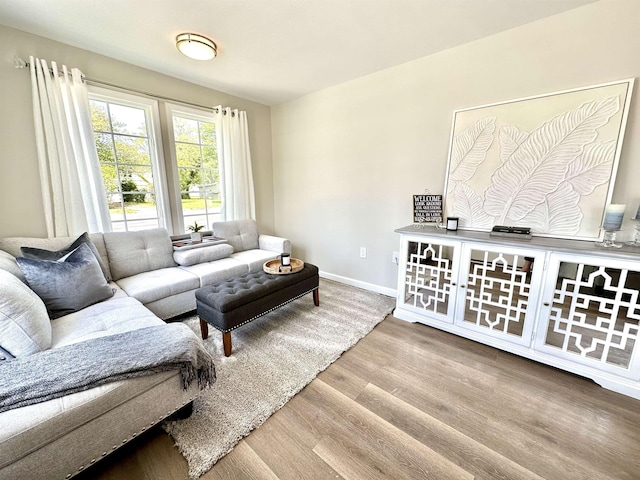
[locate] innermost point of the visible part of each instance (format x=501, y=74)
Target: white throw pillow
x=208, y=253
x=24, y=323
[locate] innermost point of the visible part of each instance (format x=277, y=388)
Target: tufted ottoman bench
x=237, y=301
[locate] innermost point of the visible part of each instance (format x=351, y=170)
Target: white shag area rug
x=273, y=358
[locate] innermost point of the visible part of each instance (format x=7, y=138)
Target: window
x=130, y=160
x=196, y=163
x=136, y=179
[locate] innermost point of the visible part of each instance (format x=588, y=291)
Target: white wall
x=348, y=159
x=20, y=198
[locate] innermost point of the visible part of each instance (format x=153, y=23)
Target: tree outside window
x=197, y=165
x=123, y=143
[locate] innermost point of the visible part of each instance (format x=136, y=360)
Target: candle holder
x=609, y=240
x=636, y=238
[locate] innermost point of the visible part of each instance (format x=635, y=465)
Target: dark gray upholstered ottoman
x=234, y=302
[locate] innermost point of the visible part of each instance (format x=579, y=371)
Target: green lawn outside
x=187, y=204
x=198, y=203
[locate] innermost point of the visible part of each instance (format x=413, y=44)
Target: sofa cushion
x=69, y=284
x=24, y=324
x=131, y=253
x=254, y=259
x=156, y=284
x=118, y=314
x=214, y=272
x=42, y=254
x=204, y=254
x=241, y=234
x=8, y=264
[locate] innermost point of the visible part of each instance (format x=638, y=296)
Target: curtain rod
x=20, y=63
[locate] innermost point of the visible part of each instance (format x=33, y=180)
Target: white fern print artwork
x=548, y=176
x=469, y=150
x=469, y=206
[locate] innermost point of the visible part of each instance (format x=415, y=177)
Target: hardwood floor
x=412, y=402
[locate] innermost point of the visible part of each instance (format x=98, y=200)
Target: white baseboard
x=390, y=292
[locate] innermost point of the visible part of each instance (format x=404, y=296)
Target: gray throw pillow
x=69, y=284
x=24, y=324
x=41, y=254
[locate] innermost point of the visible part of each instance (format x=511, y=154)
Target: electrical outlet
x=395, y=257
x=363, y=252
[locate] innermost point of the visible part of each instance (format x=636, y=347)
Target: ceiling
x=272, y=51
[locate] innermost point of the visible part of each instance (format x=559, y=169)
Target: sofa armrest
x=274, y=244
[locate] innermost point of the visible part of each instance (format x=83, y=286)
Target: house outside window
x=125, y=129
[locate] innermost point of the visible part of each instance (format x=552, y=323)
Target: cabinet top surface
x=539, y=243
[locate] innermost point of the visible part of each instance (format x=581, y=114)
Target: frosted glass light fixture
x=196, y=46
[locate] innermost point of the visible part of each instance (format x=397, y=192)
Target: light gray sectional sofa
x=58, y=438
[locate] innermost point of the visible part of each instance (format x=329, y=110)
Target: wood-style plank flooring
x=412, y=402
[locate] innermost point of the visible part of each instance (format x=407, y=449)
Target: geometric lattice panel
x=428, y=277
x=595, y=313
x=497, y=293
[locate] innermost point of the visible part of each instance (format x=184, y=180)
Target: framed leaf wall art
x=546, y=162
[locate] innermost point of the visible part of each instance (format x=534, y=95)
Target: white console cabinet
x=577, y=309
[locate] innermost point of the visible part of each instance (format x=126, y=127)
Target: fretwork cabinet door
x=497, y=298
x=427, y=277
x=590, y=313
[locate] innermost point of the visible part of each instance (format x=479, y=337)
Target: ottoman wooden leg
x=316, y=297
x=226, y=343
x=204, y=329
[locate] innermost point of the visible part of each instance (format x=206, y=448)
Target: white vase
x=196, y=237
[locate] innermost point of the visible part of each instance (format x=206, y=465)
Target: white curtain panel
x=72, y=190
x=234, y=156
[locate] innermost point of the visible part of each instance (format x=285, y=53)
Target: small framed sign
x=427, y=208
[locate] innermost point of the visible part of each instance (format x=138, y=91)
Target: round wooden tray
x=276, y=268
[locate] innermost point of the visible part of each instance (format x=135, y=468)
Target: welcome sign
x=427, y=209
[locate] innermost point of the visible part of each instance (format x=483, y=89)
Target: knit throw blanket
x=61, y=371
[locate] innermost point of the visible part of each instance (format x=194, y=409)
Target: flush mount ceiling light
x=196, y=46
